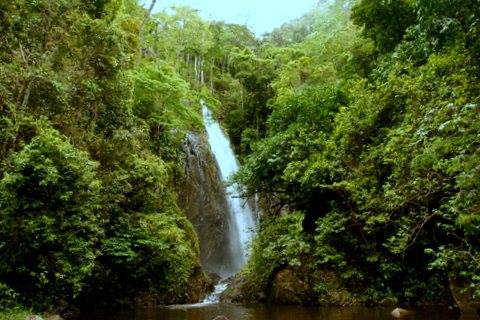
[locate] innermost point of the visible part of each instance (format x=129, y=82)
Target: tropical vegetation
x=357, y=125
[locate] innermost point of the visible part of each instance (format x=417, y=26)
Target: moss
x=17, y=313
x=330, y=291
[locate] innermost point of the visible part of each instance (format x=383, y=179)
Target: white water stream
x=241, y=221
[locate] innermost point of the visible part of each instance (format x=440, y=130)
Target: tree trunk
x=142, y=29
x=202, y=73
x=212, y=66
x=177, y=60
x=196, y=68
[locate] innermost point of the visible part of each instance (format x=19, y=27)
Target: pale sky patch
x=260, y=16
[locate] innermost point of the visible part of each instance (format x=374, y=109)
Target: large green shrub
x=280, y=243
x=153, y=254
x=50, y=226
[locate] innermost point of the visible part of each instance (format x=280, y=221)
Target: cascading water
x=241, y=221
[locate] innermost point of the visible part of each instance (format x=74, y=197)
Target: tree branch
x=152, y=5
x=416, y=232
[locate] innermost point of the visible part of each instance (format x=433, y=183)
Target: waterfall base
x=214, y=297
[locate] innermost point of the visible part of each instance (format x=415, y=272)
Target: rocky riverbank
x=292, y=286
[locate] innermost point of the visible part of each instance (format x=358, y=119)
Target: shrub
x=49, y=220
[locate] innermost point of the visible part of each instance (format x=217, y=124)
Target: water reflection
x=470, y=316
x=265, y=312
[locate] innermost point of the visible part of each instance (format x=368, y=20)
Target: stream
x=270, y=312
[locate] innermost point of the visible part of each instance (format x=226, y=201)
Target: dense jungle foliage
x=371, y=134
x=91, y=131
x=358, y=125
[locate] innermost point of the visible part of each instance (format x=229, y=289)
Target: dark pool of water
x=269, y=312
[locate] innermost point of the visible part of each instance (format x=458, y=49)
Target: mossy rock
x=330, y=291
x=289, y=288
x=242, y=290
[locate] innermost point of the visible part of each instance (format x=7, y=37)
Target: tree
x=385, y=21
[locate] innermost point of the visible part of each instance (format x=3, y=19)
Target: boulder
x=220, y=318
x=199, y=286
x=241, y=290
x=400, y=313
x=212, y=280
x=463, y=295
x=288, y=285
x=215, y=278
x=235, y=290
x=146, y=300
x=68, y=312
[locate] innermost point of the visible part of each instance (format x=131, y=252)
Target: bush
x=49, y=200
x=147, y=254
x=16, y=313
x=280, y=243
x=8, y=296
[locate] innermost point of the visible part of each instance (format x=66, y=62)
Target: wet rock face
x=202, y=198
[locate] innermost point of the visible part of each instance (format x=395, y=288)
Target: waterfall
x=241, y=222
